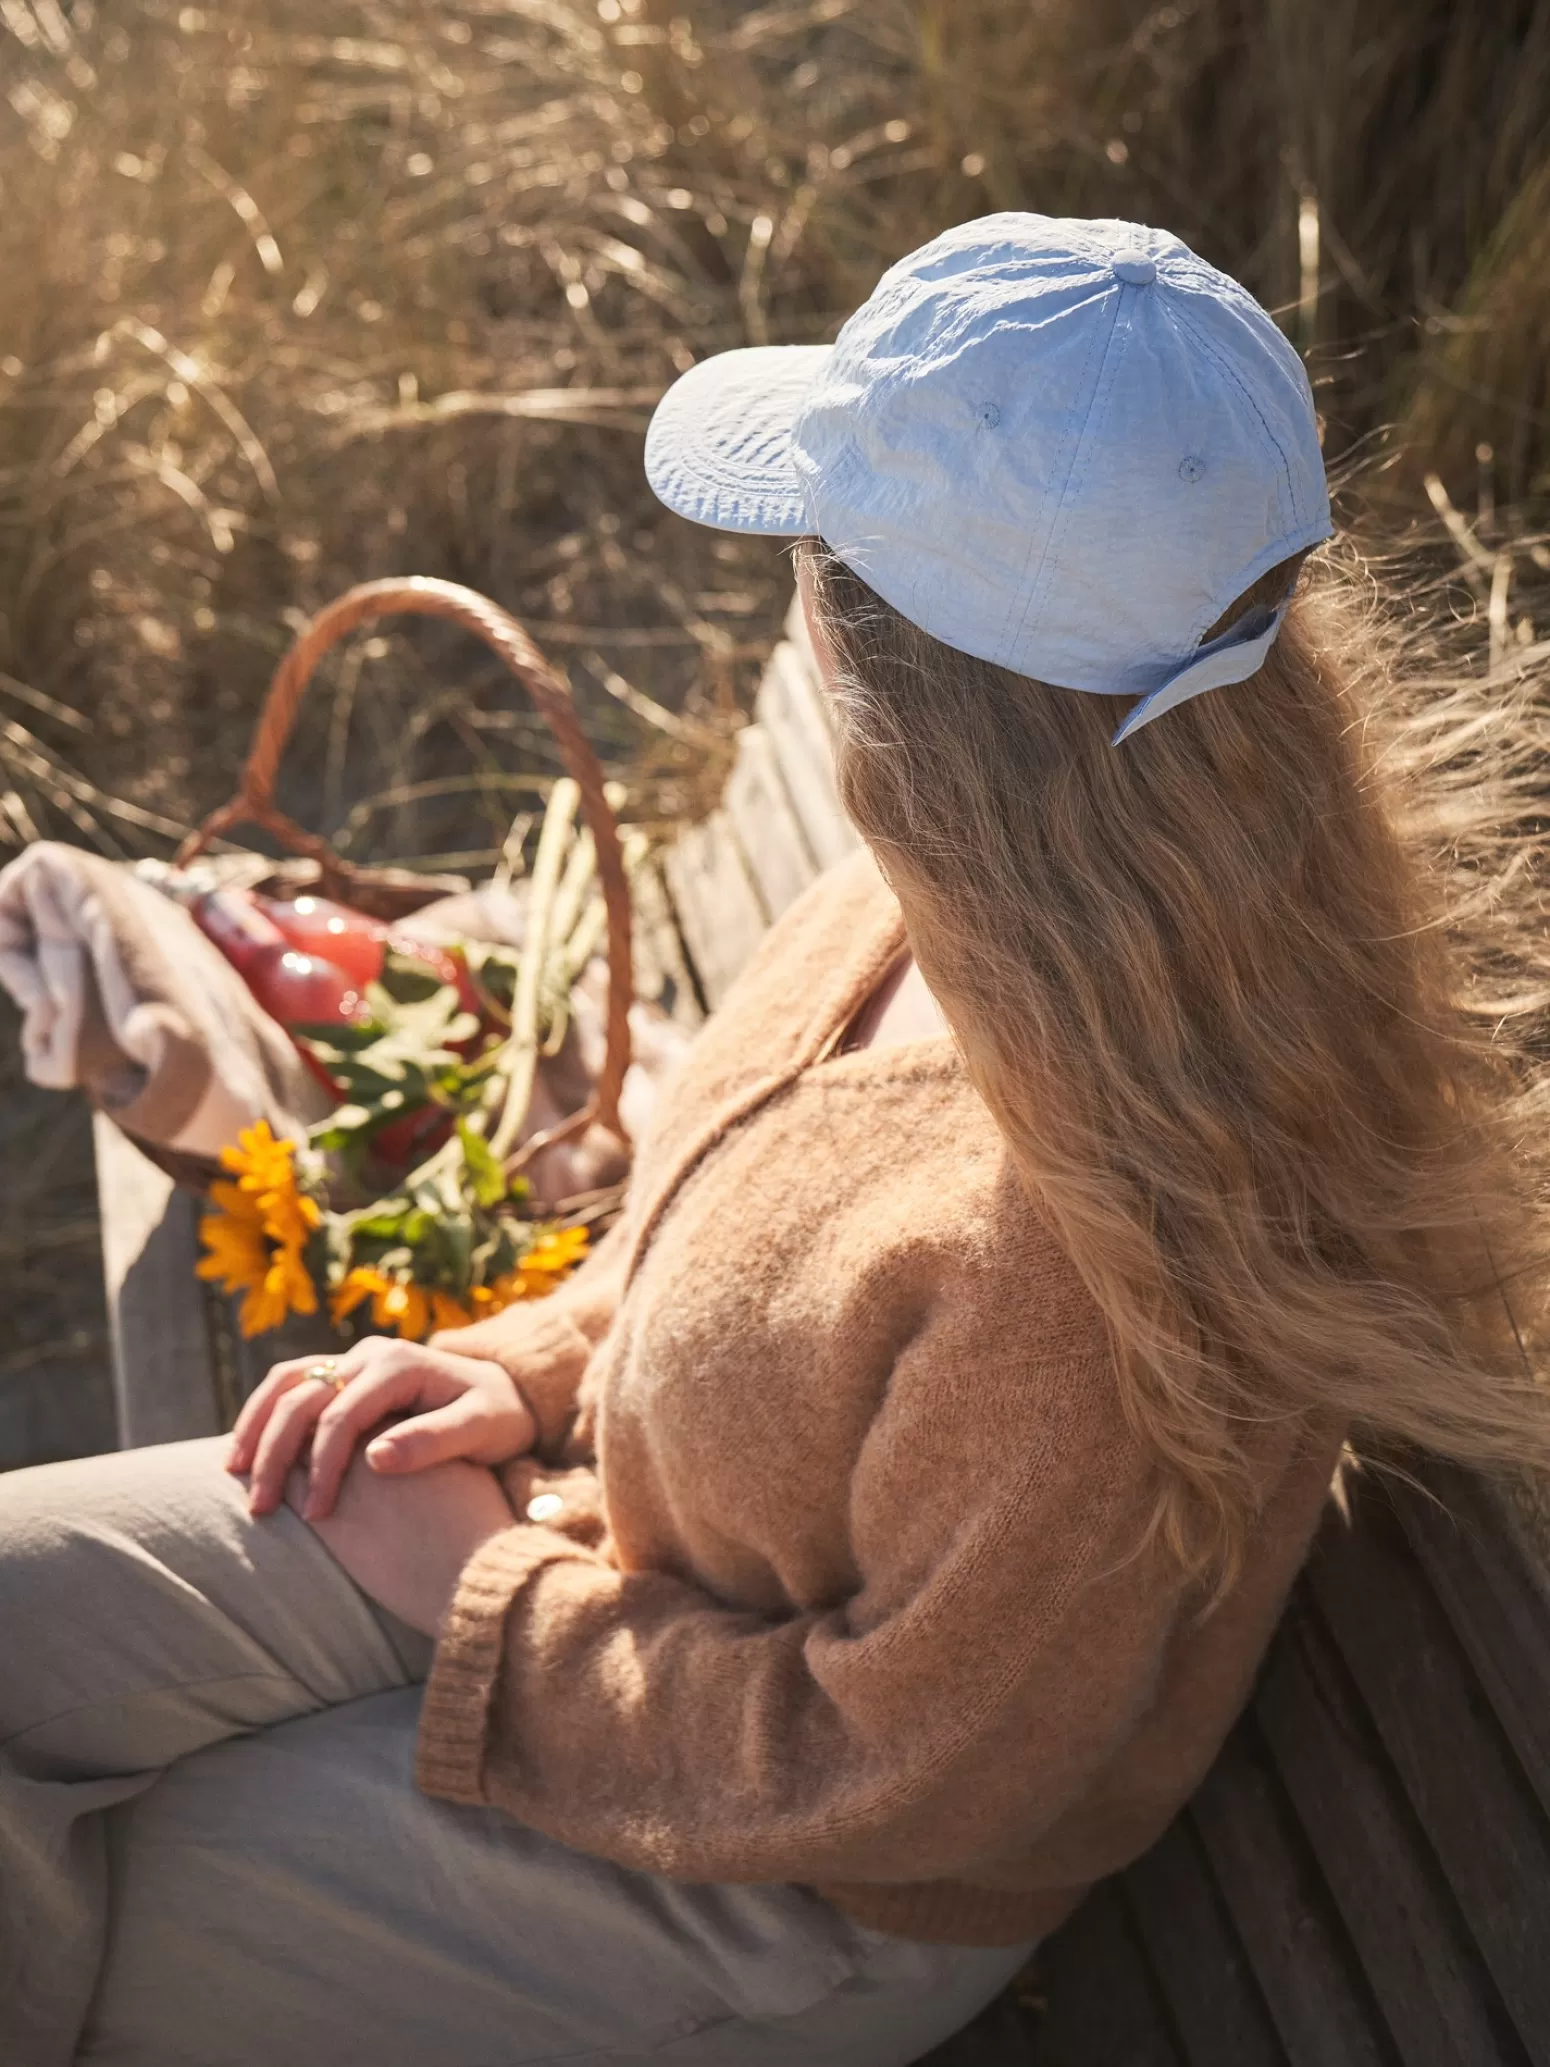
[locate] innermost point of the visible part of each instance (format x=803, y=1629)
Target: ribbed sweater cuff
x=455, y=1720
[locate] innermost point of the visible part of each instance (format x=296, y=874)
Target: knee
x=298, y=1484
x=42, y=1544
x=57, y=1513
x=35, y=1509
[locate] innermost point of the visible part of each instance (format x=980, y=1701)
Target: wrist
x=521, y=1426
x=529, y=1419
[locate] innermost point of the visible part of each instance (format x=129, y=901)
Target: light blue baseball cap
x=1064, y=446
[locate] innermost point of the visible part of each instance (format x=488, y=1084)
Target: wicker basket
x=391, y=893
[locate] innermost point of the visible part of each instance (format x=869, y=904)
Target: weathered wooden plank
x=661, y=972
x=789, y=707
x=773, y=843
x=795, y=630
x=181, y=1366
x=1519, y=1503
x=1429, y=1982
x=1212, y=1996
x=1482, y=1818
x=1496, y=1601
x=1320, y=2003
x=303, y=1334
x=718, y=909
x=162, y=1384
x=1101, y=2003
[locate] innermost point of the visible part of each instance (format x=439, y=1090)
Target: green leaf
x=486, y=1177
x=498, y=1253
x=494, y=969
x=428, y=1021
x=437, y=1193
x=337, y=1037
x=383, y=1224
x=406, y=979
x=457, y=1242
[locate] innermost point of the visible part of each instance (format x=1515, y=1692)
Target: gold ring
x=327, y=1369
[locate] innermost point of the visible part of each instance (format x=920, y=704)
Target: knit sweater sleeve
x=1004, y=1632
x=545, y=1344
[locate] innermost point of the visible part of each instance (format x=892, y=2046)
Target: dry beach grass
x=295, y=295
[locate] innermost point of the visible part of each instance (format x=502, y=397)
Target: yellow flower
x=290, y=1216
x=235, y=1204
x=395, y=1303
x=265, y=1170
x=238, y=1255
x=259, y=1162
x=553, y=1256
x=288, y=1274
x=286, y=1288
x=354, y=1287
x=257, y=1233
x=414, y=1310
x=405, y=1307
x=447, y=1312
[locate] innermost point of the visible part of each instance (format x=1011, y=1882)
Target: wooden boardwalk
x=1363, y=1880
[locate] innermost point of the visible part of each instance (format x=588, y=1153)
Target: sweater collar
x=791, y=1042
x=879, y=939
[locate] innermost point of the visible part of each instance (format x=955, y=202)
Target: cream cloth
x=122, y=996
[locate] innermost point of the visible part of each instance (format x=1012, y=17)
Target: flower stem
x=519, y=1057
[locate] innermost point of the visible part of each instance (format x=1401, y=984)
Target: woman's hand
x=458, y=1406
x=406, y=1541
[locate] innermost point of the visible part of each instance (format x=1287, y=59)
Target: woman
x=870, y=1547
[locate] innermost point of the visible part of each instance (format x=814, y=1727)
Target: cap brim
x=719, y=447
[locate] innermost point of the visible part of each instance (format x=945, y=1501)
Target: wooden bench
x=1364, y=1876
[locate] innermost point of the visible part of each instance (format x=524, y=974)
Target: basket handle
x=425, y=596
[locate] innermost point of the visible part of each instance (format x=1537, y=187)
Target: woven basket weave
x=389, y=893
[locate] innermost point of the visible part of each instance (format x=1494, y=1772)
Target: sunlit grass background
x=292, y=295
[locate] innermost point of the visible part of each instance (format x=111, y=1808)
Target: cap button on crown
x=1134, y=268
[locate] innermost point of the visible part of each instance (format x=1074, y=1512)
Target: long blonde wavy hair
x=1253, y=999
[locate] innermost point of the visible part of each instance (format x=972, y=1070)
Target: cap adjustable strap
x=1233, y=657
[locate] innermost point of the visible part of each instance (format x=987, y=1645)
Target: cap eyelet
x=1134, y=268
x=988, y=415
x=1191, y=467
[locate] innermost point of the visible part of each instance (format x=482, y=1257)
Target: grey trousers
x=213, y=1854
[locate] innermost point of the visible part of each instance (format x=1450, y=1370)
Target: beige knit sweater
x=835, y=1572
